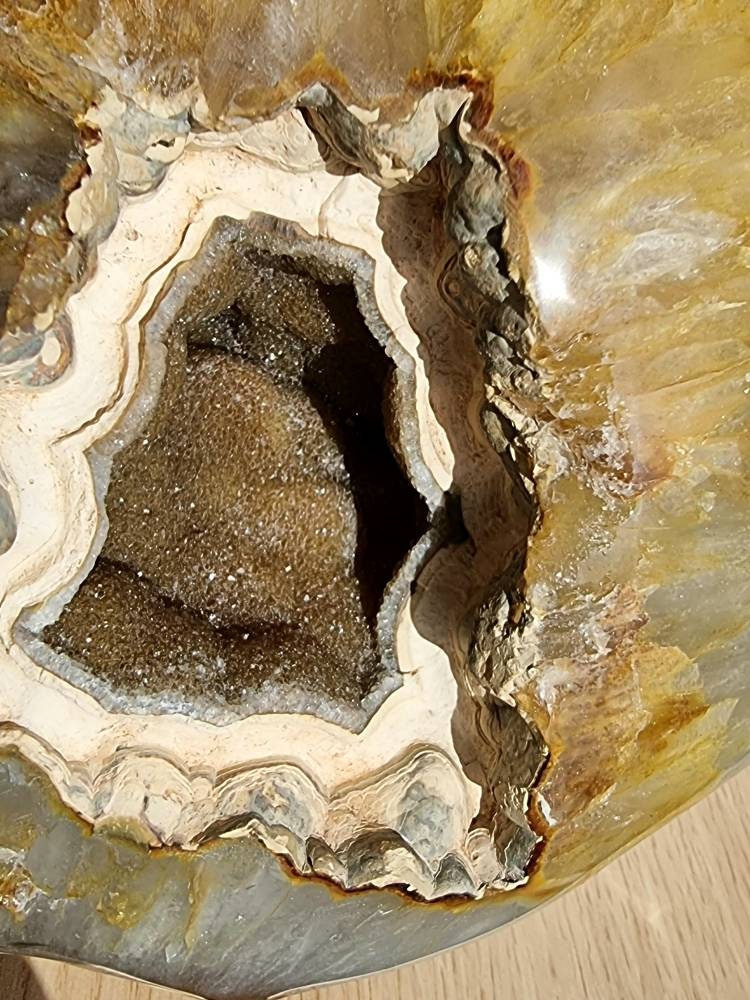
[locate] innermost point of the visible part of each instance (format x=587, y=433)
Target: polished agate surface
x=445, y=309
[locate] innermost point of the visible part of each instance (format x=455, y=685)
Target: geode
x=373, y=397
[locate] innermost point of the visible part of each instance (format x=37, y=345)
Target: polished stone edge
x=225, y=921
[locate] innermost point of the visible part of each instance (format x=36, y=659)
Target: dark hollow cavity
x=258, y=517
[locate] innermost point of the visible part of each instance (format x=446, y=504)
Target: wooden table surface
x=670, y=920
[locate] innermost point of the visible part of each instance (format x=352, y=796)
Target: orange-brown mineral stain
x=16, y=886
x=593, y=754
x=458, y=76
x=669, y=717
x=118, y=904
x=518, y=168
x=18, y=832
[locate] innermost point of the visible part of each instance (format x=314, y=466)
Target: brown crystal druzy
x=257, y=518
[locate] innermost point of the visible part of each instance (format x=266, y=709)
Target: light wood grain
x=670, y=920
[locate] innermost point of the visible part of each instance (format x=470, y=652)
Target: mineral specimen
x=372, y=425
